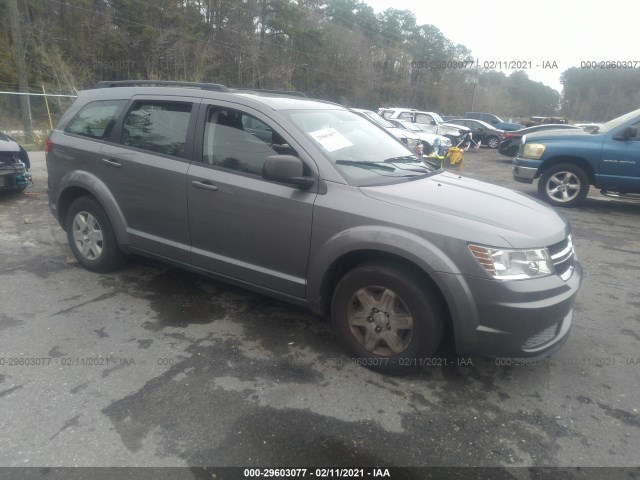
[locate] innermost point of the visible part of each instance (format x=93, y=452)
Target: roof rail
x=289, y=93
x=216, y=87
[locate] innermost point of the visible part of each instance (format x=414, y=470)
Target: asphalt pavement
x=153, y=366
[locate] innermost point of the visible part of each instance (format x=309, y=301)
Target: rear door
x=243, y=226
x=145, y=168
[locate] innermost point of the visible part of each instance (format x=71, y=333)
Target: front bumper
x=525, y=318
x=525, y=173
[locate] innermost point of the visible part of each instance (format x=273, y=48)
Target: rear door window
x=159, y=127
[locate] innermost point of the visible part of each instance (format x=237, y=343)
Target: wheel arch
x=321, y=293
x=574, y=160
x=77, y=184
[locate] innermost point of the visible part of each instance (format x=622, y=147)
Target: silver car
x=308, y=202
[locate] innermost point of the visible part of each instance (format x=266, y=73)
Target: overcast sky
x=564, y=31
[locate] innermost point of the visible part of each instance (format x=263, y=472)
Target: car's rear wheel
x=91, y=236
x=564, y=185
x=493, y=142
x=387, y=316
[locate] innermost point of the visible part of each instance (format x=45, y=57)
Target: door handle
x=204, y=185
x=111, y=163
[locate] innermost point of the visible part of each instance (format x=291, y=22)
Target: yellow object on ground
x=454, y=155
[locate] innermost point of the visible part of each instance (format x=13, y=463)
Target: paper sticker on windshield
x=331, y=139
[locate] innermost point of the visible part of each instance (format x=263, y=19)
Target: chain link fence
x=28, y=117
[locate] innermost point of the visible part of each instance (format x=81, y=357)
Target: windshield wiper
x=356, y=163
x=404, y=159
x=415, y=160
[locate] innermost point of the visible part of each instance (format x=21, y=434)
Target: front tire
x=387, y=316
x=564, y=185
x=91, y=236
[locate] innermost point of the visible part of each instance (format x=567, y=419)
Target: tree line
x=338, y=50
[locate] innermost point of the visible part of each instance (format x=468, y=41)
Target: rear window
x=96, y=119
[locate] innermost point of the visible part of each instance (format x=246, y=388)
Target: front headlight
x=533, y=150
x=504, y=264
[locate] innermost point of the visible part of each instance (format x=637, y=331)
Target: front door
x=241, y=225
x=620, y=164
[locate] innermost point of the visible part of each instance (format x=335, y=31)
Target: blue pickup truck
x=567, y=162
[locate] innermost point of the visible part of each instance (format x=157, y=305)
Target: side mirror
x=286, y=169
x=432, y=122
x=627, y=133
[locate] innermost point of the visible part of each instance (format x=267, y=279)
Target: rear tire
x=91, y=236
x=493, y=142
x=387, y=317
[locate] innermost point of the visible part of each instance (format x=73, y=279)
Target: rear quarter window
x=96, y=119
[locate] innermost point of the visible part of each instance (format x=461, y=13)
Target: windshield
x=364, y=153
x=611, y=124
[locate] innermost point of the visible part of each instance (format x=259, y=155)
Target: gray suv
x=308, y=202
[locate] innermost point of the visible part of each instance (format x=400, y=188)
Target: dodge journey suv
x=308, y=202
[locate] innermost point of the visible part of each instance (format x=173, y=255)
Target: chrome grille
x=562, y=257
x=542, y=337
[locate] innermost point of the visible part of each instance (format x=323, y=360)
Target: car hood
x=564, y=134
x=7, y=144
x=432, y=137
x=482, y=209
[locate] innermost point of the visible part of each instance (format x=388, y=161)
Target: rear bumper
x=527, y=318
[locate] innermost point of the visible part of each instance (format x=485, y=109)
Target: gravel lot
x=152, y=366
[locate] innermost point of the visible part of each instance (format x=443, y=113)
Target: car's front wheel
x=387, y=316
x=91, y=236
x=564, y=185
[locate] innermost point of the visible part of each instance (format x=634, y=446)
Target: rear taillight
x=507, y=135
x=47, y=145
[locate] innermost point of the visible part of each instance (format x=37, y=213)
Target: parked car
x=510, y=143
x=430, y=141
x=494, y=120
x=481, y=131
x=410, y=139
x=429, y=121
x=14, y=163
x=567, y=162
x=325, y=212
